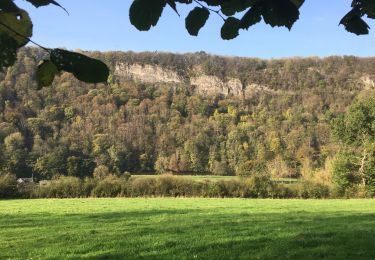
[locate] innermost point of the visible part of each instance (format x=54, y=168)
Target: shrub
x=258, y=186
x=314, y=190
x=27, y=191
x=282, y=191
x=88, y=186
x=109, y=187
x=183, y=187
x=164, y=185
x=8, y=186
x=63, y=187
x=231, y=188
x=213, y=189
x=142, y=186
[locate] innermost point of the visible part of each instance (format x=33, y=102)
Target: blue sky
x=104, y=25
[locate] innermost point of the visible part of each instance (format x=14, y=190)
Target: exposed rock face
x=146, y=73
x=213, y=85
x=368, y=82
x=203, y=84
x=209, y=85
x=235, y=87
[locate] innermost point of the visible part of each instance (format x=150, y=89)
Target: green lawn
x=165, y=228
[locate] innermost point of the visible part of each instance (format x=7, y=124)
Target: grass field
x=187, y=229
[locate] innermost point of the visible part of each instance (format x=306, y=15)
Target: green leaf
x=8, y=6
x=172, y=4
x=39, y=3
x=8, y=50
x=46, y=73
x=280, y=13
x=230, y=28
x=357, y=26
x=184, y=1
x=230, y=7
x=144, y=14
x=298, y=3
x=251, y=17
x=196, y=20
x=83, y=68
x=368, y=7
x=212, y=2
x=354, y=23
x=16, y=24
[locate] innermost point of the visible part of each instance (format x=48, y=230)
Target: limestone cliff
x=200, y=84
x=146, y=73
x=367, y=82
x=212, y=85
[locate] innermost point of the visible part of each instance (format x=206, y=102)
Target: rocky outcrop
x=367, y=82
x=212, y=85
x=146, y=73
x=209, y=85
x=202, y=84
x=235, y=87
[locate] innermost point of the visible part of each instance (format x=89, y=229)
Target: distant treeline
x=319, y=125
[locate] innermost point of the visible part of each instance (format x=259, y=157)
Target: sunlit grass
x=187, y=228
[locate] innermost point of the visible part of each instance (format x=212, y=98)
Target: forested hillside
x=164, y=112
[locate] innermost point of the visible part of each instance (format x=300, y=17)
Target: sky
x=104, y=25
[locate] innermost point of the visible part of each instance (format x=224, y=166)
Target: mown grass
x=165, y=228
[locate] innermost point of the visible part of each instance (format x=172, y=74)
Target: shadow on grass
x=187, y=234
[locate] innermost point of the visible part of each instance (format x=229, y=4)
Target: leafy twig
x=209, y=9
x=25, y=37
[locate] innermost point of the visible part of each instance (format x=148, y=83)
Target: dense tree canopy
x=80, y=130
x=16, y=28
x=355, y=163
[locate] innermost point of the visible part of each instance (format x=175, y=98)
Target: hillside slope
x=181, y=113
